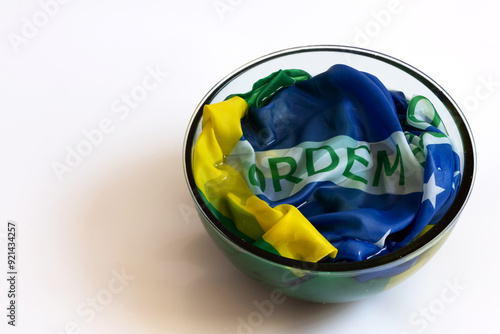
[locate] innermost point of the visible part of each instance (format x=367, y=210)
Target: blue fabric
x=345, y=102
x=341, y=101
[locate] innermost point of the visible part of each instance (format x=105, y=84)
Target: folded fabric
x=330, y=168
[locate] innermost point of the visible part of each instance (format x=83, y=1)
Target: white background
x=124, y=209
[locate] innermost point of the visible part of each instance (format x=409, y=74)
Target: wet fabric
x=330, y=168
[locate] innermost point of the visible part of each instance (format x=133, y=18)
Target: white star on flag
x=431, y=190
x=381, y=243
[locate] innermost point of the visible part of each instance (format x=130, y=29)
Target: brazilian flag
x=330, y=168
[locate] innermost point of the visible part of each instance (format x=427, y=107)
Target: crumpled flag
x=331, y=168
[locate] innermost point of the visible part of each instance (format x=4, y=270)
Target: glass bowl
x=335, y=282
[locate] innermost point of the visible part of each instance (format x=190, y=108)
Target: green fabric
x=228, y=223
x=264, y=89
x=261, y=243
